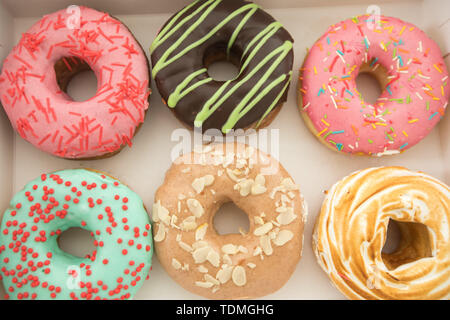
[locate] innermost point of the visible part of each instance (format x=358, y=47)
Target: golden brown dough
x=232, y=266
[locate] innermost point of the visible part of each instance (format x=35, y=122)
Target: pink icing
x=48, y=118
x=409, y=107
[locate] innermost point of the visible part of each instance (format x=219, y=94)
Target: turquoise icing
x=34, y=267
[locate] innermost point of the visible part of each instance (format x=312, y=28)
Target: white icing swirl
x=351, y=231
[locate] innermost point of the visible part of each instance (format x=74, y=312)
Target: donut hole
x=393, y=238
x=222, y=67
x=76, y=78
x=230, y=219
x=371, y=82
x=406, y=242
x=76, y=242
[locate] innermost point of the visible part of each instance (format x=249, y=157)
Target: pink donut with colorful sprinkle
x=70, y=41
x=409, y=67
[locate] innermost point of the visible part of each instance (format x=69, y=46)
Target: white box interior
x=314, y=167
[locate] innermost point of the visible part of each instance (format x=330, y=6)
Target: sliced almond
x=204, y=284
x=202, y=269
x=188, y=224
x=286, y=217
x=209, y=179
x=173, y=221
x=289, y=184
x=211, y=279
x=230, y=248
x=160, y=213
x=200, y=254
x=161, y=233
x=241, y=163
x=242, y=231
x=224, y=274
x=244, y=187
x=273, y=235
x=258, y=220
x=259, y=179
x=257, y=251
x=274, y=191
x=243, y=249
x=176, y=264
x=251, y=265
x=249, y=151
x=185, y=246
x=213, y=257
x=283, y=237
x=200, y=232
x=232, y=176
x=257, y=189
x=266, y=245
x=239, y=277
x=195, y=207
x=199, y=244
x=198, y=184
x=263, y=229
x=226, y=258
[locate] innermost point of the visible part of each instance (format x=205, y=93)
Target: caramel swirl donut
x=231, y=266
x=352, y=226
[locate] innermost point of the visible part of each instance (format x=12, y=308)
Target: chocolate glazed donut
x=215, y=30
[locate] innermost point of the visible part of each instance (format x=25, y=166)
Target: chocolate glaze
x=214, y=48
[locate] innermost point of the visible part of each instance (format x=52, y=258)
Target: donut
x=35, y=75
x=32, y=264
x=351, y=230
x=207, y=31
x=230, y=266
x=407, y=64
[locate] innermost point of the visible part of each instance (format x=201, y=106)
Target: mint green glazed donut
x=32, y=266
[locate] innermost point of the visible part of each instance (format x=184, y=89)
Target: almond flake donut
x=411, y=72
x=50, y=53
x=34, y=267
x=232, y=266
x=352, y=228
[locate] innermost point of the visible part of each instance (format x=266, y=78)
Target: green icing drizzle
x=224, y=92
x=275, y=102
x=274, y=26
x=164, y=34
x=234, y=117
x=179, y=93
x=164, y=61
x=239, y=28
x=236, y=114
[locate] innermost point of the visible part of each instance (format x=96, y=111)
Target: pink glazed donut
x=410, y=69
x=36, y=73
